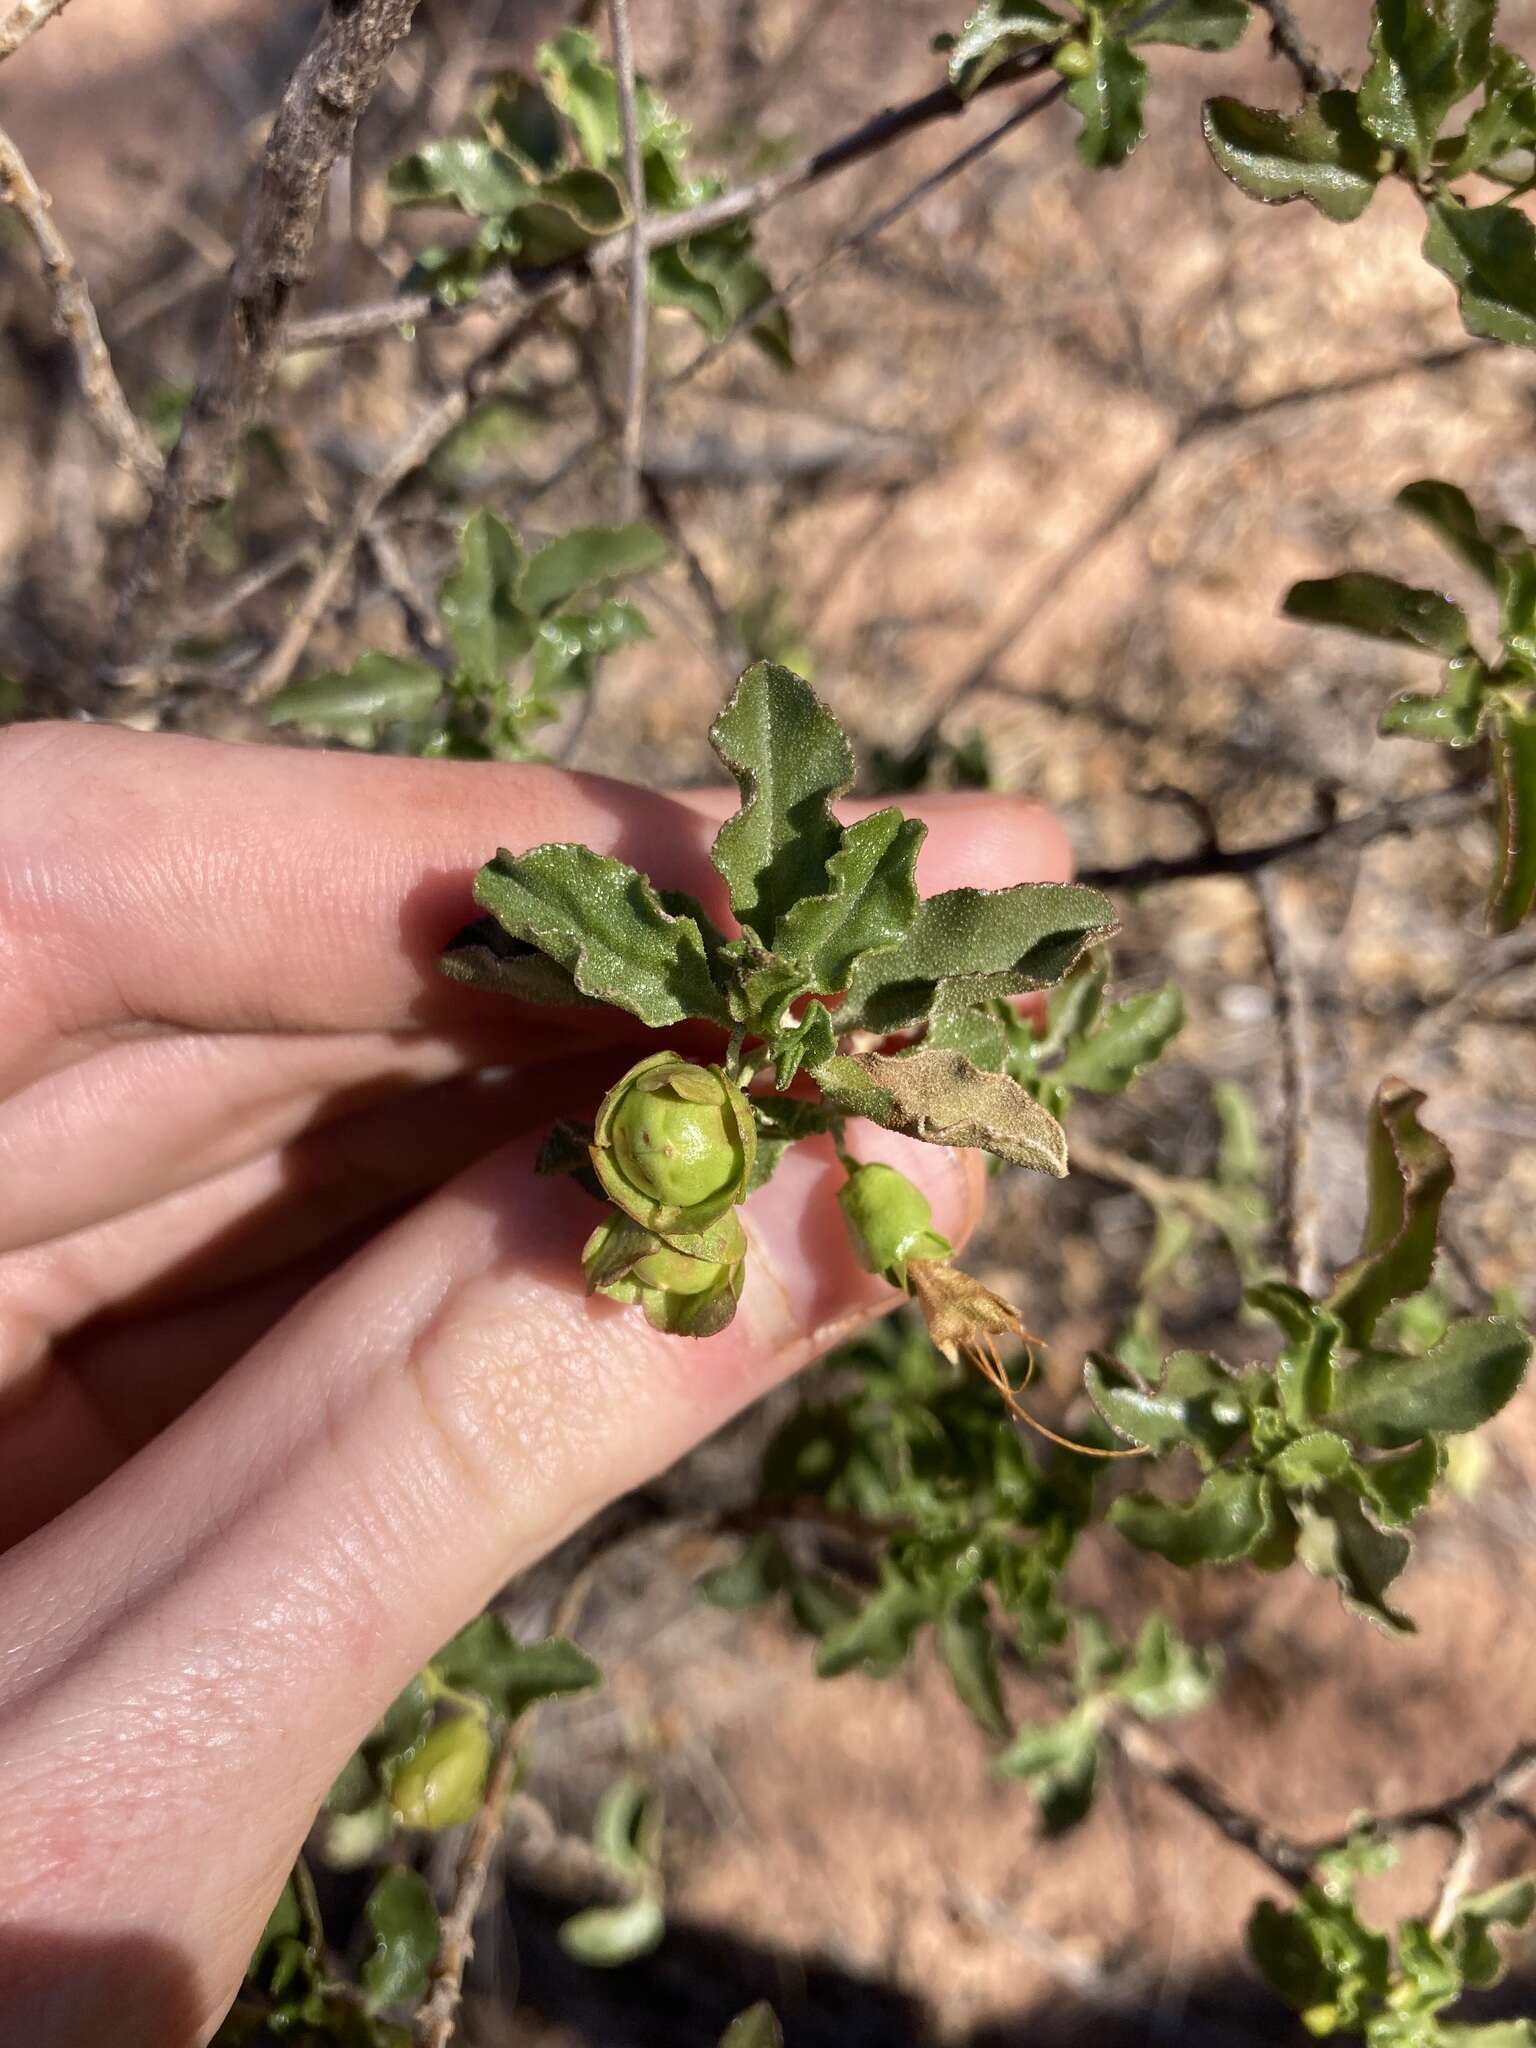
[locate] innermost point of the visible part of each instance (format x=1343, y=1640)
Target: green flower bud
x=1073, y=60
x=687, y=1285
x=673, y=1144
x=890, y=1222
x=442, y=1781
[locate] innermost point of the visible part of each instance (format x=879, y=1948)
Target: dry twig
x=1298, y=1192
x=632, y=433
x=1286, y=40
x=24, y=20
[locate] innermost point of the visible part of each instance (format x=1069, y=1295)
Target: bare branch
x=1486, y=1796
x=632, y=433
x=1298, y=1191
x=1287, y=1859
x=435, y=2019
x=75, y=317
x=1286, y=40
x=24, y=20
x=314, y=127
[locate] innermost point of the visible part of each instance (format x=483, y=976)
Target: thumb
x=218, y=1625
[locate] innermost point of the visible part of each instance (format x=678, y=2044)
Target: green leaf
x=1320, y=154
x=1452, y=717
x=1196, y=25
x=1409, y=1174
x=584, y=558
x=1499, y=2034
x=377, y=691
x=1513, y=894
x=1129, y=1038
x=1505, y=122
x=982, y=1035
x=488, y=627
x=586, y=92
x=1337, y=1542
x=1224, y=1521
x=1382, y=609
x=605, y=925
x=1511, y=1904
x=518, y=117
x=460, y=171
x=1110, y=94
x=998, y=31
x=486, y=1658
x=1312, y=1461
x=1305, y=1369
x=789, y=757
x=878, y=1637
x=1166, y=1677
x=1449, y=513
x=937, y=1095
x=1388, y=1400
x=971, y=946
x=1428, y=55
x=870, y=903
x=1198, y=1402
x=1398, y=1488
x=763, y=1569
x=484, y=956
x=13, y=699
x=402, y=1919
x=606, y=1937
x=715, y=278
x=1060, y=1764
x=810, y=1043
x=1489, y=254
x=755, y=2028
x=969, y=1649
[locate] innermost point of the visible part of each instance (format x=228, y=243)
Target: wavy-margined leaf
x=607, y=1937
x=1224, y=1521
x=1388, y=1401
x=1129, y=1037
x=1513, y=894
x=485, y=956
x=1382, y=609
x=870, y=901
x=716, y=279
x=1321, y=1960
x=586, y=92
x=975, y=945
x=1320, y=153
x=564, y=217
x=1197, y=1402
x=462, y=171
x=1504, y=123
x=402, y=1918
x=585, y=558
x=1060, y=1765
x=790, y=759
x=1310, y=1461
x=1338, y=1541
x=1195, y=24
x=937, y=1095
x=981, y=1034
x=1428, y=54
x=486, y=1658
x=1452, y=717
x=378, y=690
x=605, y=925
x=968, y=1646
x=1397, y=1488
x=1108, y=87
x=1509, y=1905
x=1489, y=254
x=998, y=31
x=487, y=624
x=518, y=117
x=1450, y=514
x=755, y=2028
x=1408, y=1176
x=878, y=1637
x=1164, y=1676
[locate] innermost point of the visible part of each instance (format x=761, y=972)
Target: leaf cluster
x=543, y=179
x=1481, y=698
x=526, y=630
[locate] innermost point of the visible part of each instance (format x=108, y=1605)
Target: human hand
x=295, y=1369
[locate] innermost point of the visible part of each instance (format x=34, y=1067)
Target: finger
x=213, y=1629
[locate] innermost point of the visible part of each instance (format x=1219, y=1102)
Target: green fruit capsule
x=673, y=1144
x=890, y=1221
x=441, y=1783
x=1073, y=60
x=687, y=1285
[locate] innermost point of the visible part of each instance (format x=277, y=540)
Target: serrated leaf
x=790, y=759
x=1337, y=1541
x=1452, y=717
x=460, y=171
x=1388, y=1401
x=607, y=1937
x=969, y=1649
x=1489, y=254
x=755, y=2028
x=1408, y=1174
x=584, y=558
x=1129, y=1037
x=1383, y=609
x=975, y=945
x=402, y=1919
x=1223, y=1522
x=1449, y=513
x=1197, y=1402
x=605, y=925
x=870, y=902
x=938, y=1096
x=1513, y=894
x=1320, y=154
x=1428, y=54
x=489, y=629
x=486, y=1658
x=1196, y=25
x=483, y=955
x=378, y=690
x=1110, y=94
x=1060, y=1764
x=998, y=31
